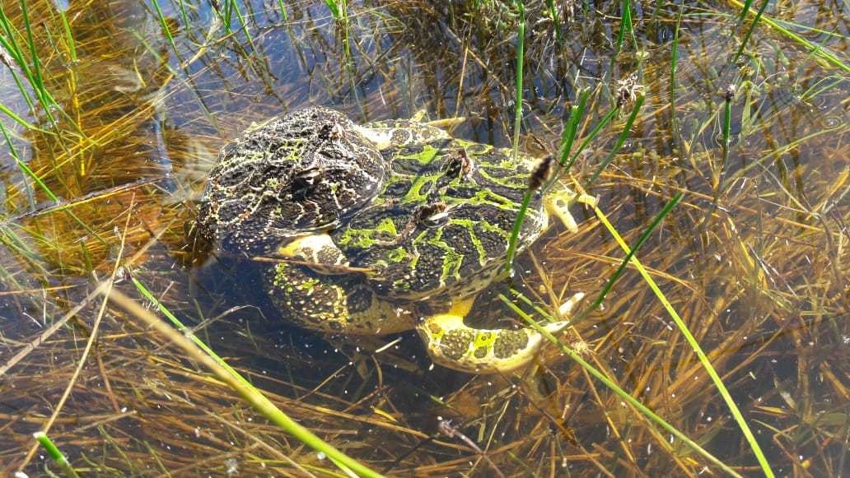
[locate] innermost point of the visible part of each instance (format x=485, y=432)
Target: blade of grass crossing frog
x=567, y=139
x=520, y=217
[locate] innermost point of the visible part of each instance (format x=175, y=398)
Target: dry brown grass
x=760, y=277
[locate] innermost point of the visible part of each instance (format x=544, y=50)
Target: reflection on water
x=752, y=259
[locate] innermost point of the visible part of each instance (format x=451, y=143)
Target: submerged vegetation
x=715, y=337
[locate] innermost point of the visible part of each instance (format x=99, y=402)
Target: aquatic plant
x=710, y=336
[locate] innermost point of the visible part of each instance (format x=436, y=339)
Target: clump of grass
x=751, y=28
x=738, y=285
x=339, y=9
x=203, y=354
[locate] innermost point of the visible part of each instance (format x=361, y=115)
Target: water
x=759, y=276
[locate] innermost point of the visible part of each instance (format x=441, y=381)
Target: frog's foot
x=454, y=345
x=381, y=137
x=557, y=204
x=316, y=250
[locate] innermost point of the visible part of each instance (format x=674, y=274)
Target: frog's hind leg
x=453, y=344
x=557, y=204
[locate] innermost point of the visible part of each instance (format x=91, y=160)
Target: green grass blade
x=674, y=62
x=816, y=49
x=55, y=455
x=184, y=14
x=626, y=27
x=614, y=277
x=727, y=133
x=569, y=135
x=244, y=27
x=520, y=60
x=29, y=172
x=19, y=120
x=334, y=8
x=683, y=328
x=165, y=29
x=750, y=30
x=283, y=11
x=622, y=139
x=512, y=242
x=36, y=64
x=248, y=391
x=69, y=38
x=745, y=10
x=556, y=21
x=595, y=131
x=618, y=390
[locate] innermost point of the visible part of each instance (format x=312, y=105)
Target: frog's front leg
x=329, y=300
x=316, y=250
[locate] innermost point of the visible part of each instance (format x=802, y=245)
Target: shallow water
x=753, y=258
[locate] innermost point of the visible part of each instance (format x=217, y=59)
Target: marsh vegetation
x=727, y=121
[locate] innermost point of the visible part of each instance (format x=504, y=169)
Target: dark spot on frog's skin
x=400, y=136
x=480, y=352
x=304, y=181
x=509, y=343
x=455, y=343
x=328, y=255
x=359, y=300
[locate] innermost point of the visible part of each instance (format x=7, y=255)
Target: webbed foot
x=454, y=345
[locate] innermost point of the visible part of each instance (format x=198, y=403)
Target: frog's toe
x=566, y=309
x=558, y=205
